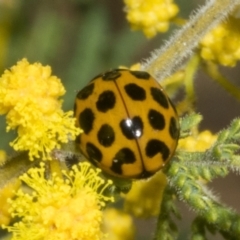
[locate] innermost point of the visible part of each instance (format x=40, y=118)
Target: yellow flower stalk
x=144, y=198
x=151, y=16
x=200, y=142
x=69, y=208
x=118, y=225
x=29, y=96
x=222, y=44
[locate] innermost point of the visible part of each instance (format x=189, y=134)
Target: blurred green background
x=81, y=38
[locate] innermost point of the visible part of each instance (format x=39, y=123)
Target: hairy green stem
x=166, y=229
x=191, y=70
x=196, y=195
x=212, y=70
x=164, y=60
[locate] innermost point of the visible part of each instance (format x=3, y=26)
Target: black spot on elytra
x=140, y=74
x=111, y=75
x=156, y=119
x=155, y=146
x=106, y=135
x=123, y=156
x=93, y=152
x=86, y=119
x=132, y=128
x=135, y=92
x=106, y=101
x=173, y=128
x=85, y=92
x=159, y=97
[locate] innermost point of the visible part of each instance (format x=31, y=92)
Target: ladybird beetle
x=130, y=127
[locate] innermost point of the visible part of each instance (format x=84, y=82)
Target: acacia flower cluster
x=144, y=198
x=60, y=208
x=29, y=96
x=151, y=16
x=199, y=142
x=118, y=225
x=222, y=44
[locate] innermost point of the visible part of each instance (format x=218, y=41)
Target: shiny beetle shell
x=130, y=126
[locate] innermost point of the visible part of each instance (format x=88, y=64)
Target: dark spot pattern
x=111, y=75
x=135, y=92
x=173, y=128
x=140, y=74
x=85, y=92
x=132, y=128
x=106, y=135
x=93, y=152
x=86, y=119
x=106, y=101
x=159, y=97
x=123, y=156
x=155, y=146
x=156, y=119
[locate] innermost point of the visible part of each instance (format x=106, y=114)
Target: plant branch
x=196, y=195
x=163, y=61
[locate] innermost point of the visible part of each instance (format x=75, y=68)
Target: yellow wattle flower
x=144, y=198
x=222, y=44
x=151, y=16
x=69, y=208
x=199, y=143
x=118, y=225
x=29, y=96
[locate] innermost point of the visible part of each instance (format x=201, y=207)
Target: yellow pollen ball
x=151, y=16
x=29, y=97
